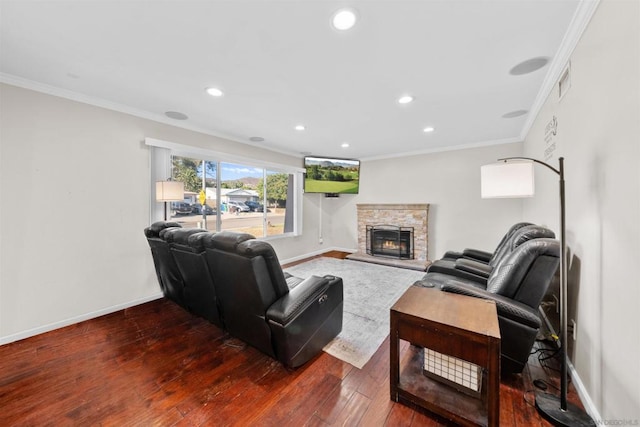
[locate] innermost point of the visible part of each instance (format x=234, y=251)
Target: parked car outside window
x=254, y=206
x=237, y=207
x=181, y=208
x=208, y=210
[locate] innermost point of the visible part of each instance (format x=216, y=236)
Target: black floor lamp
x=513, y=177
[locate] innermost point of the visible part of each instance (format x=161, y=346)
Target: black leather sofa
x=484, y=256
x=167, y=271
x=236, y=282
x=517, y=285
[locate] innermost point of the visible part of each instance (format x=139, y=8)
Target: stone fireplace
x=394, y=234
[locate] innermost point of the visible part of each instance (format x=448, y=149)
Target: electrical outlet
x=574, y=329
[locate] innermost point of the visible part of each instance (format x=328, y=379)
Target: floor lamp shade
x=512, y=179
x=169, y=191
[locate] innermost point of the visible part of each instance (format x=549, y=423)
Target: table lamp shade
x=169, y=191
x=512, y=179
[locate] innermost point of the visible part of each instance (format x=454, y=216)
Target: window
x=236, y=197
x=199, y=177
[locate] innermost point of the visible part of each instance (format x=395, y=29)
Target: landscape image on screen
x=329, y=175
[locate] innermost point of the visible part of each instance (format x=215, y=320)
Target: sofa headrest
x=226, y=240
x=180, y=235
x=154, y=229
x=507, y=277
x=518, y=237
x=197, y=241
x=256, y=247
x=530, y=232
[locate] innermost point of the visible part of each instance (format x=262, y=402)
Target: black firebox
x=390, y=241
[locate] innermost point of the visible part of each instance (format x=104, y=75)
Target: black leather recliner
x=480, y=271
x=517, y=285
x=169, y=276
x=258, y=306
x=199, y=293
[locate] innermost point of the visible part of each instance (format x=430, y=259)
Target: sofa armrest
x=506, y=307
x=304, y=294
x=474, y=267
x=452, y=255
x=477, y=254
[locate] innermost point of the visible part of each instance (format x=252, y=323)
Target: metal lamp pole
x=556, y=409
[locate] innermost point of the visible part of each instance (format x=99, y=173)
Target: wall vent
x=565, y=82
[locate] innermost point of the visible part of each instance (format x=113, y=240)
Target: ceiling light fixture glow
x=345, y=145
x=405, y=99
x=344, y=19
x=428, y=129
x=214, y=91
x=300, y=127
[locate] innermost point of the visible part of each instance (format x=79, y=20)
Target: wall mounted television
x=332, y=176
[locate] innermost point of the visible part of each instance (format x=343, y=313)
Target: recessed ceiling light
x=428, y=129
x=344, y=19
x=513, y=114
x=345, y=145
x=214, y=91
x=300, y=127
x=176, y=115
x=405, y=99
x=529, y=66
x=256, y=139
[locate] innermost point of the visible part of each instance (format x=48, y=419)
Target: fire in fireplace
x=390, y=241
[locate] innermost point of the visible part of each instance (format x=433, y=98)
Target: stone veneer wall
x=401, y=215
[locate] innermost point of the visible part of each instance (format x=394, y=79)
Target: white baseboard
x=72, y=320
x=589, y=406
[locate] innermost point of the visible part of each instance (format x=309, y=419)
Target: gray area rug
x=369, y=292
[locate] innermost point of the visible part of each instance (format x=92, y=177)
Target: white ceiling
x=281, y=63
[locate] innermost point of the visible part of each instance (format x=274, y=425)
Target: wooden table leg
x=493, y=392
x=394, y=359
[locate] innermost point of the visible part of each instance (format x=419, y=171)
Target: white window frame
x=160, y=168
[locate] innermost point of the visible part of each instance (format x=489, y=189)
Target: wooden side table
x=455, y=325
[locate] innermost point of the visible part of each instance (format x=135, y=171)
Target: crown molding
x=120, y=108
x=445, y=149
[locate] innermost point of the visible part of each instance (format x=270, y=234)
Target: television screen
x=331, y=175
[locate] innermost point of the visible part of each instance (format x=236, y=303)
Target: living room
x=76, y=180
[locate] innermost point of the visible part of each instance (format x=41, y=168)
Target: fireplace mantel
x=392, y=207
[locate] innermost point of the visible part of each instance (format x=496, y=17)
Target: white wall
x=598, y=134
x=449, y=182
x=75, y=182
x=74, y=187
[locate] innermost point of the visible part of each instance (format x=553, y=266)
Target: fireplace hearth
x=390, y=241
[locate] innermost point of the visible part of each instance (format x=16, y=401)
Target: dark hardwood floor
x=156, y=364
